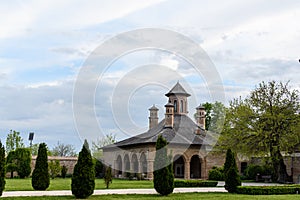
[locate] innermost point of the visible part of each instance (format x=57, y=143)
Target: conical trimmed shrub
x=83, y=179
x=163, y=174
x=231, y=173
x=2, y=168
x=40, y=175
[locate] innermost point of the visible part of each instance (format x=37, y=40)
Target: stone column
x=150, y=168
x=187, y=170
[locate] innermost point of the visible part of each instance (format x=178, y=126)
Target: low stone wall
x=69, y=162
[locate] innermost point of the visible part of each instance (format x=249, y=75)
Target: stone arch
x=119, y=165
x=143, y=163
x=178, y=166
x=195, y=167
x=135, y=163
x=126, y=163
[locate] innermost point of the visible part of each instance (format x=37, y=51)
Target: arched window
x=175, y=106
x=181, y=106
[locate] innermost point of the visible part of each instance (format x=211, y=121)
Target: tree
x=101, y=142
x=40, y=175
x=23, y=162
x=19, y=161
x=34, y=149
x=264, y=124
x=108, y=177
x=83, y=179
x=2, y=168
x=163, y=173
x=98, y=168
x=54, y=168
x=63, y=150
x=14, y=141
x=64, y=171
x=231, y=175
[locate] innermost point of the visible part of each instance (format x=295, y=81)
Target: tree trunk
x=281, y=174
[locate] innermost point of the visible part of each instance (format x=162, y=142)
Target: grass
x=185, y=196
x=65, y=184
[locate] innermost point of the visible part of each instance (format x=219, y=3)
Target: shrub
x=54, y=168
x=216, y=174
x=98, y=168
x=83, y=179
x=163, y=169
x=40, y=175
x=108, y=177
x=64, y=171
x=252, y=170
x=268, y=190
x=195, y=183
x=2, y=168
x=231, y=176
x=19, y=161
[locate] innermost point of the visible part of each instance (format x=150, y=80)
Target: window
x=175, y=106
x=181, y=106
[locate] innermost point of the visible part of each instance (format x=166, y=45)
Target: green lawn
x=185, y=196
x=65, y=184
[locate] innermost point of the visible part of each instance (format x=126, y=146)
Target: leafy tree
x=23, y=161
x=108, y=177
x=83, y=179
x=64, y=171
x=264, y=124
x=54, y=168
x=11, y=163
x=34, y=149
x=40, y=176
x=2, y=168
x=14, y=141
x=163, y=173
x=101, y=142
x=63, y=150
x=19, y=161
x=231, y=175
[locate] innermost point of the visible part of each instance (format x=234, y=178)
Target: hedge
x=267, y=190
x=195, y=183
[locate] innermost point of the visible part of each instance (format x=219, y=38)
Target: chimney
x=200, y=117
x=169, y=115
x=153, y=118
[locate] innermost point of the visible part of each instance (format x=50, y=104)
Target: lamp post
x=31, y=134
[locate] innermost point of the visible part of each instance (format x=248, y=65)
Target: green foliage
x=195, y=183
x=231, y=175
x=267, y=123
x=2, y=168
x=40, y=175
x=163, y=170
x=64, y=171
x=268, y=190
x=54, y=168
x=19, y=161
x=216, y=173
x=83, y=179
x=252, y=171
x=34, y=149
x=23, y=157
x=108, y=177
x=98, y=168
x=14, y=141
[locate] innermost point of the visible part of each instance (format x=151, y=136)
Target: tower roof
x=200, y=107
x=153, y=107
x=178, y=89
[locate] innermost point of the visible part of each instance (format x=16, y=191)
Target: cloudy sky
x=44, y=45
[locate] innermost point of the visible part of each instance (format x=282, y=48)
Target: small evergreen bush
x=195, y=183
x=83, y=179
x=2, y=168
x=40, y=175
x=216, y=174
x=231, y=174
x=163, y=169
x=268, y=190
x=64, y=171
x=108, y=177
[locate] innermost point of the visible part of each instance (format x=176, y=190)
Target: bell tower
x=169, y=115
x=200, y=116
x=153, y=118
x=178, y=97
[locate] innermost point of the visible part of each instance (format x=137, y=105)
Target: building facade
x=188, y=142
